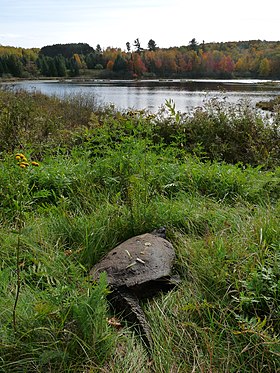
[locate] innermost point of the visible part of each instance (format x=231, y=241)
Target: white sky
x=112, y=23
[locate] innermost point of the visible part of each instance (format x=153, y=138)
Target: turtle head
x=160, y=232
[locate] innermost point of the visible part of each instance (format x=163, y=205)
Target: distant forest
x=243, y=59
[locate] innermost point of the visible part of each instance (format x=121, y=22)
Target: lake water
x=151, y=94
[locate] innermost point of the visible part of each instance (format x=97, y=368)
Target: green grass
x=101, y=181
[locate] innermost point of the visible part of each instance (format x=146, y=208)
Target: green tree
x=52, y=67
x=43, y=66
x=99, y=56
x=275, y=66
x=47, y=66
x=66, y=50
x=128, y=46
x=91, y=60
x=120, y=64
x=193, y=45
x=98, y=49
x=60, y=65
x=152, y=45
x=264, y=68
x=203, y=46
x=74, y=67
x=137, y=45
x=14, y=65
x=3, y=66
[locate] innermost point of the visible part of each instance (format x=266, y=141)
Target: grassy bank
x=100, y=176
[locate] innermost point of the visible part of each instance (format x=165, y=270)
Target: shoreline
x=214, y=83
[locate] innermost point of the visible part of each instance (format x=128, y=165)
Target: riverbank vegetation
x=75, y=181
x=244, y=59
x=271, y=105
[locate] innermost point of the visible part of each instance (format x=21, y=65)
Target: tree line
x=246, y=59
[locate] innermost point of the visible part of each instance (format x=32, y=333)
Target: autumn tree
x=78, y=60
x=168, y=62
x=110, y=54
x=181, y=62
x=138, y=66
x=226, y=66
x=275, y=65
x=110, y=65
x=253, y=58
x=149, y=60
x=264, y=68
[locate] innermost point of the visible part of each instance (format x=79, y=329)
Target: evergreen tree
x=120, y=64
x=52, y=67
x=14, y=65
x=1, y=67
x=66, y=50
x=128, y=47
x=137, y=45
x=193, y=45
x=43, y=66
x=152, y=45
x=74, y=67
x=60, y=65
x=91, y=60
x=98, y=49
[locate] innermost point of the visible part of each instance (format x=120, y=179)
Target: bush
x=44, y=122
x=233, y=134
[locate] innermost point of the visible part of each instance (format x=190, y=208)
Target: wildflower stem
x=19, y=229
x=18, y=281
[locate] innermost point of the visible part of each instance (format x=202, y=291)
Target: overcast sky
x=112, y=23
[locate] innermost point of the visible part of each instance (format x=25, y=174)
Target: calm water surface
x=152, y=94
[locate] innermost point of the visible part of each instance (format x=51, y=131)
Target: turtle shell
x=137, y=261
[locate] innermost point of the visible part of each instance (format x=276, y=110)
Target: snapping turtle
x=138, y=268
